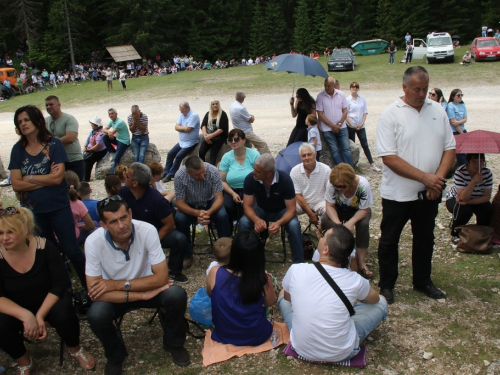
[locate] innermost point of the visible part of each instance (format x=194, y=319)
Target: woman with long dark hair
x=301, y=107
x=437, y=95
x=240, y=293
x=37, y=173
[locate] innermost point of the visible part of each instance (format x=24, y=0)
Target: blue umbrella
x=295, y=63
x=288, y=158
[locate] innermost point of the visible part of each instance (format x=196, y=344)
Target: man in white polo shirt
x=126, y=270
x=310, y=179
x=243, y=120
x=417, y=149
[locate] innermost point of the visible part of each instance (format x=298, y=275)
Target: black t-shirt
x=274, y=200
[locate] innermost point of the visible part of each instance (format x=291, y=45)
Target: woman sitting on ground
x=234, y=167
x=84, y=225
x=156, y=171
x=470, y=194
x=215, y=126
x=348, y=200
x=32, y=291
x=240, y=293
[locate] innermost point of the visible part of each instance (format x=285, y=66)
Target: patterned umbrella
x=478, y=141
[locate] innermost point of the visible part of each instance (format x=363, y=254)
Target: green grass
x=371, y=72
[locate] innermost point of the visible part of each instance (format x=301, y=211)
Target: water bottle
x=275, y=337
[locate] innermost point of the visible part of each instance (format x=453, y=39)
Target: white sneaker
x=375, y=168
x=5, y=182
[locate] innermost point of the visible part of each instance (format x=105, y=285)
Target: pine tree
x=302, y=38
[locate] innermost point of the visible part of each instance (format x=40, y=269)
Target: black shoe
x=179, y=278
x=180, y=355
x=430, y=291
x=388, y=294
x=164, y=174
x=113, y=368
x=167, y=178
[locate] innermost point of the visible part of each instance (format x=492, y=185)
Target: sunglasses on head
x=103, y=203
x=9, y=211
x=234, y=139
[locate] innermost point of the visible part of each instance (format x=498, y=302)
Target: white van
x=438, y=47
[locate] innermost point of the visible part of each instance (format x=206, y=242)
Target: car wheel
x=352, y=69
x=427, y=61
x=476, y=59
x=453, y=59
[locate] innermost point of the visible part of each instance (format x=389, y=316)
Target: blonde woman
x=215, y=126
x=32, y=291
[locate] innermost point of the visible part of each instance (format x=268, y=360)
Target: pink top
x=331, y=108
x=79, y=211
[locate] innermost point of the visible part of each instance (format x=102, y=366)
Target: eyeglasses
x=322, y=233
x=234, y=139
x=339, y=186
x=354, y=87
x=432, y=93
x=459, y=95
x=9, y=211
x=103, y=203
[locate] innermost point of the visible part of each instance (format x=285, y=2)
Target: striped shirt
x=462, y=179
x=312, y=188
x=197, y=193
x=144, y=121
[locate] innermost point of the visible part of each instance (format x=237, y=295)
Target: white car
x=438, y=47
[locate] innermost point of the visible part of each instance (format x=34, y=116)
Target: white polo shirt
x=313, y=188
x=102, y=259
x=419, y=138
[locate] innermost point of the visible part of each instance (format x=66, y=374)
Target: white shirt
x=240, y=117
x=313, y=188
x=356, y=109
x=322, y=328
x=103, y=260
x=419, y=138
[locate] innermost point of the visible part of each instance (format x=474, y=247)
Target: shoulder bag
x=335, y=287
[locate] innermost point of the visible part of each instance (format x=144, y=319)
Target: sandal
x=366, y=273
x=85, y=360
x=21, y=370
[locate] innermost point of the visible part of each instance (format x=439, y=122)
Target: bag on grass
x=200, y=307
x=474, y=239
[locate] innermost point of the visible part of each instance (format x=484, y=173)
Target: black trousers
x=89, y=163
x=462, y=214
x=395, y=215
x=299, y=134
x=62, y=317
x=214, y=150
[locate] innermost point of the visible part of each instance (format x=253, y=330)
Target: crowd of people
x=246, y=197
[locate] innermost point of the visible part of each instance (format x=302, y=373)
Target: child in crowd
x=91, y=204
x=121, y=172
x=156, y=171
x=83, y=222
x=466, y=60
x=222, y=251
x=313, y=134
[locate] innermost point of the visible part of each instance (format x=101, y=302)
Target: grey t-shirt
x=239, y=117
x=59, y=128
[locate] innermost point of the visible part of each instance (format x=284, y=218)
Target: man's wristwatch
x=127, y=286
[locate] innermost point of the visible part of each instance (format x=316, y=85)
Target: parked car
x=438, y=47
x=9, y=74
x=483, y=49
x=342, y=59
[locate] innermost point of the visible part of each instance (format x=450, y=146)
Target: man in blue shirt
x=188, y=126
x=275, y=195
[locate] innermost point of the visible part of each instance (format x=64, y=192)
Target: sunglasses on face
x=459, y=95
x=9, y=211
x=339, y=186
x=354, y=87
x=322, y=233
x=103, y=203
x=234, y=139
x=432, y=93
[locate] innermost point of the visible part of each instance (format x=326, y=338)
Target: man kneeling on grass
x=321, y=327
x=126, y=270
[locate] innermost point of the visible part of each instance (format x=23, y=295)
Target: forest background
x=226, y=29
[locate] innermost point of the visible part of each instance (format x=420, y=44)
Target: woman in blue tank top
x=240, y=293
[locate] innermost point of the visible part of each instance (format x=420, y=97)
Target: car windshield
x=341, y=53
x=441, y=41
x=488, y=43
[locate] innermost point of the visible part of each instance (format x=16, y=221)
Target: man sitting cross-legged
x=198, y=194
x=126, y=270
x=272, y=191
x=310, y=179
x=149, y=205
x=332, y=335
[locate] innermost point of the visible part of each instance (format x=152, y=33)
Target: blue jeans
x=363, y=140
x=367, y=317
x=292, y=228
x=391, y=57
x=336, y=140
x=177, y=243
x=183, y=223
x=139, y=145
x=62, y=224
x=174, y=159
x=120, y=150
x=461, y=158
x=173, y=307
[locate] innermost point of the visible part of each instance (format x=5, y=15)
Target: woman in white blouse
x=356, y=117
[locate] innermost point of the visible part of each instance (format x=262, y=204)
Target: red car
x=483, y=49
